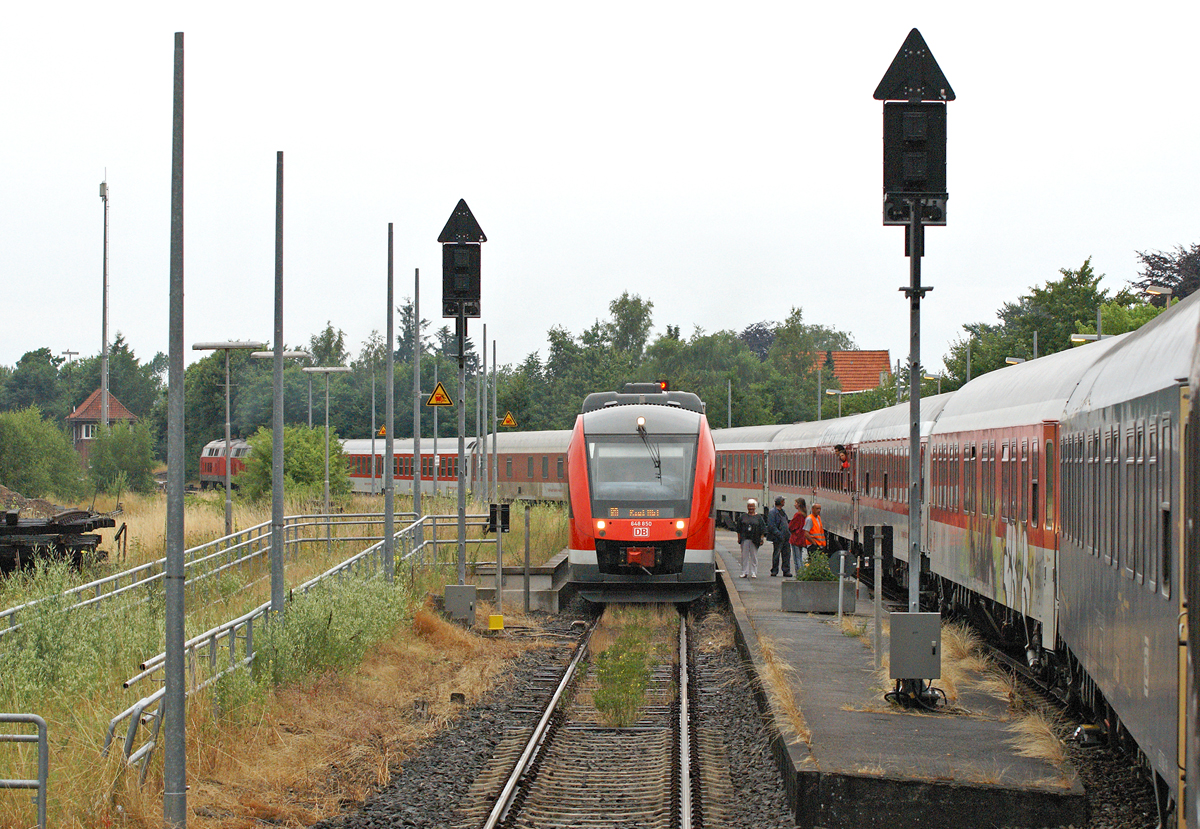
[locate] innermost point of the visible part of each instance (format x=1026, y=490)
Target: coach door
x=1043, y=510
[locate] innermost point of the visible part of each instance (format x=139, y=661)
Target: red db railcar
x=640, y=469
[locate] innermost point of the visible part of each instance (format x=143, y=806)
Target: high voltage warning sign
x=509, y=420
x=439, y=397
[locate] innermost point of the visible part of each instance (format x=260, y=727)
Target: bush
x=303, y=463
x=37, y=458
x=327, y=629
x=816, y=568
x=122, y=457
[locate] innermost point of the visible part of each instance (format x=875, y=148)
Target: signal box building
x=85, y=420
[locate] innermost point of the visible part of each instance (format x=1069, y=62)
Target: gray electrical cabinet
x=460, y=603
x=916, y=645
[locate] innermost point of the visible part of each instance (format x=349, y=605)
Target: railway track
x=571, y=769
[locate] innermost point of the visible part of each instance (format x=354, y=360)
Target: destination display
x=638, y=512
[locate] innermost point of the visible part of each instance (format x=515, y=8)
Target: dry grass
x=302, y=750
x=713, y=633
x=334, y=740
x=778, y=685
x=1036, y=736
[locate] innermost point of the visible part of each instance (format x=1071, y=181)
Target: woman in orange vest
x=814, y=530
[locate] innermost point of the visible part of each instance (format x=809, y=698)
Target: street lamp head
x=229, y=344
x=1159, y=290
x=325, y=369
x=1012, y=361
x=1086, y=338
x=833, y=391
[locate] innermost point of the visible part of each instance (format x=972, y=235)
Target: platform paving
x=865, y=763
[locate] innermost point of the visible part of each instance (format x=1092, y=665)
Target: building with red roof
x=861, y=370
x=86, y=418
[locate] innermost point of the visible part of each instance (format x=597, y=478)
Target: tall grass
x=68, y=663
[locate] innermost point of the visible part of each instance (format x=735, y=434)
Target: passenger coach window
x=545, y=468
x=529, y=474
x=560, y=467
x=508, y=468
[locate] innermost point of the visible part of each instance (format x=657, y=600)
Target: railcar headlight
x=679, y=525
x=600, y=528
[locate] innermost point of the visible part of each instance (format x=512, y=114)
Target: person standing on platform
x=798, y=540
x=814, y=531
x=777, y=527
x=750, y=531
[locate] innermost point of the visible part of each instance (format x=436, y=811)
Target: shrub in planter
x=815, y=589
x=816, y=569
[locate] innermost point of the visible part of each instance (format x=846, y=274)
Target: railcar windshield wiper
x=652, y=448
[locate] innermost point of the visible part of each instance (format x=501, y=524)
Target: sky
x=722, y=161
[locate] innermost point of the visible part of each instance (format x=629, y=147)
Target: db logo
x=641, y=532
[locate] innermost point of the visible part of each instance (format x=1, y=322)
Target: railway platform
x=851, y=760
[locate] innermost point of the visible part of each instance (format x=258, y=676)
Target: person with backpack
x=777, y=527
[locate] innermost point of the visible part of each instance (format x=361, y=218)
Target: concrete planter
x=817, y=596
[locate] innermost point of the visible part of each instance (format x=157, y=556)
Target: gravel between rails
x=425, y=792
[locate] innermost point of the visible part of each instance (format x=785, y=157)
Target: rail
x=230, y=646
x=43, y=760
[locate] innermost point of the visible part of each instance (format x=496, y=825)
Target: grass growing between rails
x=629, y=641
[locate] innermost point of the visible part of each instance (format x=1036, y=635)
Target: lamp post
x=227, y=346
x=326, y=370
x=104, y=315
x=939, y=381
x=839, y=393
x=277, y=531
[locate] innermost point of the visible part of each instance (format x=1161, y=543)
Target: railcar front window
x=630, y=481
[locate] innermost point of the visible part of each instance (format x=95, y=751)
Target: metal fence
x=43, y=760
x=241, y=552
x=230, y=646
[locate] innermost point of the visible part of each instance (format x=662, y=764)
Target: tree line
x=767, y=373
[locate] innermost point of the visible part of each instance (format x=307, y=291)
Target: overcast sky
x=722, y=161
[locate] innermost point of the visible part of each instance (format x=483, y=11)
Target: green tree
x=328, y=348
x=122, y=456
x=630, y=325
x=1054, y=311
x=36, y=457
x=303, y=463
x=798, y=352
x=1119, y=317
x=35, y=382
x=137, y=385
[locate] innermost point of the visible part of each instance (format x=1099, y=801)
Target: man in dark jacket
x=777, y=529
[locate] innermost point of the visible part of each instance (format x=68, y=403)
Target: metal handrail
x=206, y=646
x=42, y=781
x=255, y=540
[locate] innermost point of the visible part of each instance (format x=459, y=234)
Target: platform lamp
x=1012, y=361
x=939, y=381
x=231, y=345
x=326, y=370
x=839, y=394
x=1162, y=291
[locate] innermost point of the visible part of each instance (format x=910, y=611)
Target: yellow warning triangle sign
x=382, y=432
x=508, y=420
x=439, y=397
